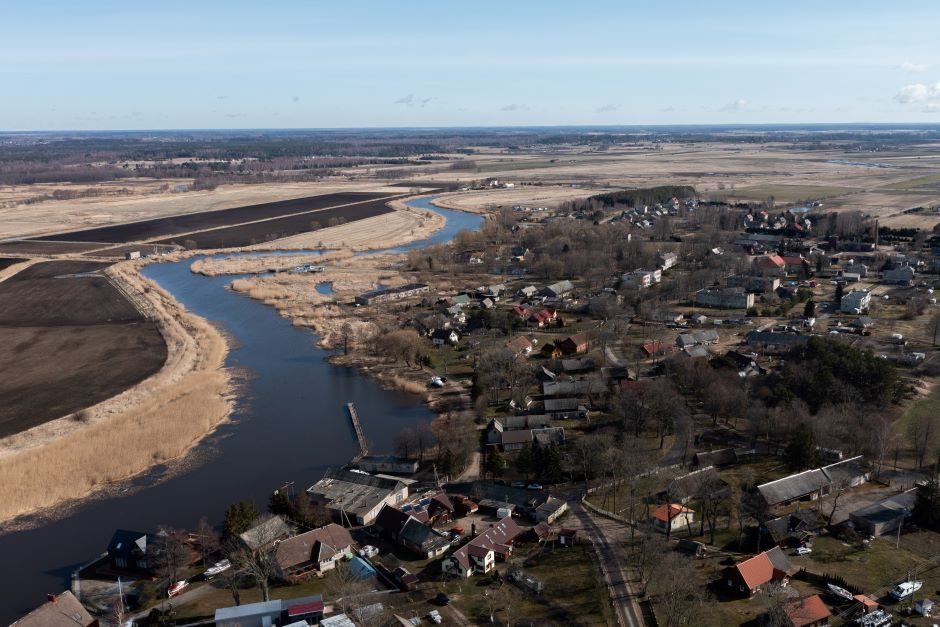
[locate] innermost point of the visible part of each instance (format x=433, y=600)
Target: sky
x=97, y=65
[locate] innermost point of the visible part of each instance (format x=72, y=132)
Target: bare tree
x=678, y=598
x=172, y=556
x=209, y=541
x=346, y=587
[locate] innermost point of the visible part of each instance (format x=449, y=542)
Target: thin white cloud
x=908, y=66
x=736, y=105
x=607, y=108
x=515, y=107
x=411, y=101
x=931, y=107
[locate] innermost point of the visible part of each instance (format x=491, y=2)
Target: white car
x=803, y=550
x=435, y=617
x=368, y=551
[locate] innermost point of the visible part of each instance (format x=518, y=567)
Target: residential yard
x=573, y=595
x=210, y=596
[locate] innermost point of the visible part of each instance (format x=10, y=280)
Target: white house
x=672, y=516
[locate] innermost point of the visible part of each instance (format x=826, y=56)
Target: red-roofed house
x=773, y=264
x=657, y=348
x=749, y=576
x=522, y=312
x=672, y=517
x=808, y=612
x=479, y=555
x=317, y=550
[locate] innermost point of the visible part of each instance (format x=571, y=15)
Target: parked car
x=435, y=617
x=442, y=599
x=535, y=486
x=803, y=550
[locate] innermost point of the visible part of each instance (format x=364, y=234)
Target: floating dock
x=360, y=436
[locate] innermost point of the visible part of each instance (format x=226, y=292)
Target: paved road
x=606, y=536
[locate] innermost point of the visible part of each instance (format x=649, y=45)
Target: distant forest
x=645, y=196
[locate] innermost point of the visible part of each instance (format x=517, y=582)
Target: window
x=120, y=562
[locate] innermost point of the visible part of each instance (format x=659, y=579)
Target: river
x=289, y=424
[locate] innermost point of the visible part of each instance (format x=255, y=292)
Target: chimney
x=51, y=598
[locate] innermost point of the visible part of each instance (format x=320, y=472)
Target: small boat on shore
x=906, y=589
x=217, y=568
x=840, y=592
x=176, y=588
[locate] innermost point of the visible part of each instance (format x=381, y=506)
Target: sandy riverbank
x=159, y=419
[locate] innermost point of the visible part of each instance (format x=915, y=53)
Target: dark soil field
x=260, y=232
x=69, y=340
x=49, y=372
x=39, y=247
x=6, y=262
x=50, y=294
x=187, y=223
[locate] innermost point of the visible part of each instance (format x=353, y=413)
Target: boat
x=218, y=567
x=177, y=587
x=840, y=592
x=906, y=589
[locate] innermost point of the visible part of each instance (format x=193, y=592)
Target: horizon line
x=482, y=127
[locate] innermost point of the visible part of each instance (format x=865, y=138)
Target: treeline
x=645, y=196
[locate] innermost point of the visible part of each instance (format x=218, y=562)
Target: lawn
x=573, y=594
x=921, y=181
x=784, y=193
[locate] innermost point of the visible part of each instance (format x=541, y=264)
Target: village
x=630, y=386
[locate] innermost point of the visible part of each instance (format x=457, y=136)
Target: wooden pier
x=360, y=436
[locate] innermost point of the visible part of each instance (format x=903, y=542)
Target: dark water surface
x=290, y=424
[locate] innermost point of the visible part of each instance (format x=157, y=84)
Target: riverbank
x=158, y=420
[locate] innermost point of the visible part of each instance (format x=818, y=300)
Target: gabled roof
x=808, y=611
x=846, y=470
x=317, y=546
x=794, y=486
x=125, y=542
x=519, y=344
x=265, y=532
x=419, y=534
x=64, y=611
x=758, y=570
x=665, y=513
x=391, y=519
x=496, y=538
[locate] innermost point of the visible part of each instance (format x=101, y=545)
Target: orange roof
x=807, y=611
x=662, y=514
x=772, y=260
x=867, y=601
x=756, y=571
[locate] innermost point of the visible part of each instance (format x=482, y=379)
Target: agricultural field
x=73, y=340
x=187, y=223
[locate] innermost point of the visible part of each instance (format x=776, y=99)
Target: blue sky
x=120, y=65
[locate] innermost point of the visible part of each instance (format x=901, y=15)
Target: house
x=698, y=319
x=440, y=337
x=724, y=298
x=577, y=365
x=515, y=440
x=60, y=610
x=558, y=289
x=548, y=436
x=848, y=473
x=749, y=576
x=856, y=302
x=479, y=555
x=132, y=254
x=337, y=620
x=771, y=264
x=699, y=351
x=684, y=340
x=863, y=322
x=133, y=550
x=902, y=275
x=551, y=351
x=641, y=278
x=885, y=516
x=807, y=612
x=317, y=550
x=706, y=336
x=574, y=344
x=551, y=510
x=522, y=312
x=384, y=295
x=355, y=496
x=794, y=529
x=756, y=284
x=667, y=260
x=411, y=533
x=519, y=346
x=277, y=612
x=544, y=317
x=651, y=349
x=529, y=291
x=672, y=517
x=266, y=532
x=853, y=267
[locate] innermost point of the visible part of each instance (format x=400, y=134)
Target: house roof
x=64, y=611
x=888, y=509
x=666, y=513
x=496, y=538
x=419, y=534
x=317, y=546
x=771, y=261
x=846, y=470
x=125, y=542
x=807, y=611
x=391, y=519
x=265, y=532
x=721, y=457
x=794, y=486
x=757, y=571
x=516, y=437
x=519, y=344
